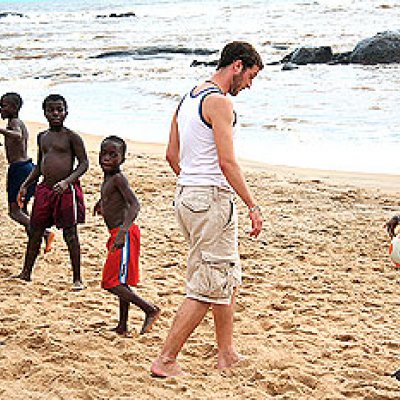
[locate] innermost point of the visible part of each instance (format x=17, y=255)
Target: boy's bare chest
x=56, y=142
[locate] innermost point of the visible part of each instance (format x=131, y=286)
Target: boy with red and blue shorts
x=119, y=207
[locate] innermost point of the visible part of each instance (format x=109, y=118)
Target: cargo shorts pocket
x=214, y=278
x=196, y=202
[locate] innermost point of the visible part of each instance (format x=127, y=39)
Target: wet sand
x=316, y=315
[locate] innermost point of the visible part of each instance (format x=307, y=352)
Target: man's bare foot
x=229, y=359
x=48, y=241
x=150, y=319
x=120, y=331
x=165, y=367
x=77, y=286
x=22, y=276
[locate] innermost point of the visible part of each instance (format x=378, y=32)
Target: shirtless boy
x=119, y=207
x=20, y=165
x=59, y=197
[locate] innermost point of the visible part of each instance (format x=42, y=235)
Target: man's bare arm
x=172, y=154
x=218, y=109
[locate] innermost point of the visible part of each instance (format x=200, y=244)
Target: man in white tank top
x=201, y=153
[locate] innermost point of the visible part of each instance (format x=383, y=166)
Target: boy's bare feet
x=22, y=276
x=229, y=359
x=48, y=241
x=150, y=319
x=164, y=367
x=120, y=331
x=77, y=286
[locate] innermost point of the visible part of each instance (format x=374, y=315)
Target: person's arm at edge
x=13, y=129
x=219, y=110
x=172, y=153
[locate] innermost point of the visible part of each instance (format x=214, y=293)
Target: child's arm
x=97, y=208
x=79, y=152
x=32, y=177
x=13, y=129
x=133, y=207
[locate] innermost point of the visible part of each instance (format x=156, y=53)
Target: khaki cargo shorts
x=207, y=216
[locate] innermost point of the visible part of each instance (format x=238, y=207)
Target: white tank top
x=198, y=152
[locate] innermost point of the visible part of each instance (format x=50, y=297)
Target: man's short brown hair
x=240, y=51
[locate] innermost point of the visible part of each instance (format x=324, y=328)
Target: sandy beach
x=316, y=315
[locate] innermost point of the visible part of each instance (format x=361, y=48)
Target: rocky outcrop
x=155, y=51
x=11, y=14
x=114, y=15
x=383, y=48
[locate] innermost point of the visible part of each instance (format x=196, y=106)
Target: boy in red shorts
x=119, y=207
x=58, y=198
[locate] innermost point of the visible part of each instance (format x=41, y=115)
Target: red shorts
x=122, y=265
x=62, y=210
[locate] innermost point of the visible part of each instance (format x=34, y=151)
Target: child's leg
x=152, y=312
x=122, y=327
x=19, y=215
x=32, y=251
x=71, y=239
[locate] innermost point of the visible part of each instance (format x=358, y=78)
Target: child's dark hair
x=54, y=97
x=15, y=98
x=118, y=140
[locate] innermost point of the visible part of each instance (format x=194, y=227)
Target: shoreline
x=368, y=180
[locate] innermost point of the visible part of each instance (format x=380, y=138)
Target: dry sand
x=317, y=314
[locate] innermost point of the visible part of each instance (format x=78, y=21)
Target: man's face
x=243, y=79
x=55, y=113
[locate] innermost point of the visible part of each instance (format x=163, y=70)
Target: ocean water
x=340, y=117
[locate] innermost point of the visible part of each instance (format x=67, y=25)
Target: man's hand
x=256, y=221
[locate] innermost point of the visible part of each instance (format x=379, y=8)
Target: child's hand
x=60, y=187
x=391, y=225
x=119, y=240
x=97, y=209
x=21, y=197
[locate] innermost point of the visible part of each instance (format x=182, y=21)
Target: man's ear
x=123, y=160
x=238, y=66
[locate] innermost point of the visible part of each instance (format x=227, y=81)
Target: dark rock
x=196, y=63
x=152, y=51
x=310, y=55
x=114, y=15
x=14, y=14
x=382, y=48
x=289, y=66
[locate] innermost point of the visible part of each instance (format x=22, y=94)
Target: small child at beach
x=20, y=165
x=59, y=197
x=119, y=207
